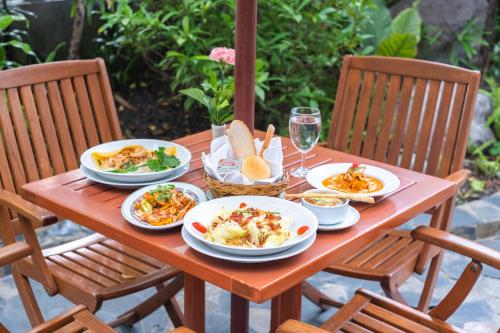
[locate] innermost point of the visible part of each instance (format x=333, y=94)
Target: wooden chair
x=410, y=113
x=369, y=312
x=49, y=115
x=78, y=319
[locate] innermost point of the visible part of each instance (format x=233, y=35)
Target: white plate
x=93, y=176
x=316, y=176
x=128, y=211
x=351, y=218
x=300, y=216
x=183, y=154
x=207, y=250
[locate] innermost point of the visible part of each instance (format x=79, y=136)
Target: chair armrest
x=459, y=177
x=13, y=252
x=39, y=216
x=457, y=244
x=294, y=326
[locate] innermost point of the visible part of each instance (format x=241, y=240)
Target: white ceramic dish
x=327, y=214
x=93, y=176
x=198, y=246
x=351, y=218
x=128, y=205
x=316, y=176
x=183, y=154
x=300, y=216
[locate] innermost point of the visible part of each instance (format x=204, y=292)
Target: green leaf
x=378, y=24
x=398, y=45
x=5, y=21
x=196, y=94
x=162, y=161
x=408, y=22
x=477, y=185
x=25, y=47
x=52, y=55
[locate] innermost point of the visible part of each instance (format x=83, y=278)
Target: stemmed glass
x=305, y=127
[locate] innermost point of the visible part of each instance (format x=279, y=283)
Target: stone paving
x=479, y=313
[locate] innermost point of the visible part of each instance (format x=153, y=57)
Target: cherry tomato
x=200, y=227
x=355, y=165
x=302, y=230
x=243, y=205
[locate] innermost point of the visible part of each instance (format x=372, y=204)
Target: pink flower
x=223, y=54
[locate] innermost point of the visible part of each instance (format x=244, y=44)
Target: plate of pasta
x=162, y=206
x=250, y=225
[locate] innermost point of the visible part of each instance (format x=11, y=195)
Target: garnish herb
x=160, y=163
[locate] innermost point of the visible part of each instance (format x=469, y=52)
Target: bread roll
x=255, y=168
x=241, y=139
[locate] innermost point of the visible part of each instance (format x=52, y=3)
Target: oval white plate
x=316, y=176
x=352, y=217
x=128, y=211
x=183, y=154
x=300, y=216
x=211, y=252
x=92, y=176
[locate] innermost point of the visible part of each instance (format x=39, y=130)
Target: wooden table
x=97, y=207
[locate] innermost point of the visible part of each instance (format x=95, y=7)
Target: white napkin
x=220, y=148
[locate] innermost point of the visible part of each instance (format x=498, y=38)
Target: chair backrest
x=49, y=115
x=410, y=113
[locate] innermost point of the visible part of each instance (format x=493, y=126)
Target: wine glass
x=305, y=127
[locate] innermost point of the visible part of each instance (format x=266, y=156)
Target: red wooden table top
x=96, y=206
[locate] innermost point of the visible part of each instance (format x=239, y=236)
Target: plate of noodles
x=162, y=206
x=250, y=225
x=136, y=160
x=353, y=178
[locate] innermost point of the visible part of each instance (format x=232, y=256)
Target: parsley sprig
x=160, y=163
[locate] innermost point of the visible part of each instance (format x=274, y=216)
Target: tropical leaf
x=398, y=45
x=408, y=21
x=196, y=94
x=5, y=21
x=378, y=24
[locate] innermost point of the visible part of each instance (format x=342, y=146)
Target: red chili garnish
x=243, y=205
x=200, y=227
x=355, y=165
x=302, y=230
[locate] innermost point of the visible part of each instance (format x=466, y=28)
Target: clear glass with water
x=305, y=129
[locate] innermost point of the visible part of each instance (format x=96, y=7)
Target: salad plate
x=136, y=160
x=198, y=246
x=353, y=178
x=250, y=225
x=351, y=218
x=98, y=179
x=162, y=206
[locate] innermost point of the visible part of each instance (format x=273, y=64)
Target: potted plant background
x=216, y=94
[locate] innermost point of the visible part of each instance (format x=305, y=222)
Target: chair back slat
x=410, y=113
x=49, y=115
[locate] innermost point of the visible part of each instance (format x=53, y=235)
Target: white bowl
x=316, y=176
x=300, y=216
x=327, y=215
x=183, y=154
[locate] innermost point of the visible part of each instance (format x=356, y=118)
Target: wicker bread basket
x=222, y=189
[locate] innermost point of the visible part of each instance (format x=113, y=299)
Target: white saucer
x=98, y=179
x=211, y=252
x=352, y=217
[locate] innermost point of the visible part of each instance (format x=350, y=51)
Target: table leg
x=194, y=303
x=239, y=314
x=286, y=306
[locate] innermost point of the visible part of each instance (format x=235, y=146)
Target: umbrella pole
x=246, y=36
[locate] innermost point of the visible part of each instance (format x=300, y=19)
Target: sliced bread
x=241, y=139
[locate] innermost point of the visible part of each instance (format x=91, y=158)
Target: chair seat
x=100, y=269
x=396, y=251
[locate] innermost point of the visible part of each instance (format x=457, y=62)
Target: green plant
x=494, y=119
x=12, y=39
x=487, y=157
x=467, y=44
x=398, y=37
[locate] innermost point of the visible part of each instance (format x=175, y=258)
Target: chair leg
x=391, y=290
x=317, y=297
x=174, y=311
x=430, y=283
x=151, y=304
x=27, y=297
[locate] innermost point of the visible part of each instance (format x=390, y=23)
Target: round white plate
x=183, y=154
x=93, y=176
x=316, y=176
x=211, y=252
x=351, y=218
x=299, y=216
x=128, y=205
